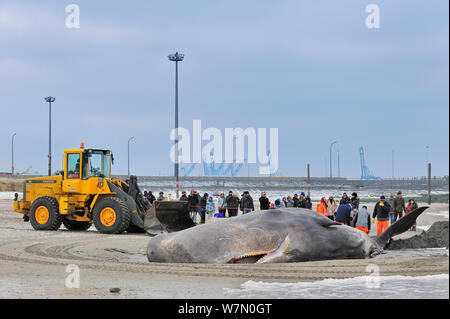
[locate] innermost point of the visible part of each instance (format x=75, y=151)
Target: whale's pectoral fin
x=400, y=226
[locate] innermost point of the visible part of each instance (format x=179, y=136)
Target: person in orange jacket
x=322, y=208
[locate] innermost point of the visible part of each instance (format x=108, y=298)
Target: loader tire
x=44, y=214
x=111, y=216
x=75, y=225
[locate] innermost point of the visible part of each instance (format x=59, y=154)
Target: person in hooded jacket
x=321, y=208
x=210, y=207
x=278, y=203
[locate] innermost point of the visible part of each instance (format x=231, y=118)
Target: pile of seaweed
x=435, y=237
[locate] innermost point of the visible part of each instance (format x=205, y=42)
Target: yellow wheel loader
x=84, y=193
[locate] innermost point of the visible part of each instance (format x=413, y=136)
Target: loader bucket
x=156, y=218
x=151, y=224
x=173, y=215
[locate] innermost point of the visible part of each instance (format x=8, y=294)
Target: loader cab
x=96, y=163
x=85, y=165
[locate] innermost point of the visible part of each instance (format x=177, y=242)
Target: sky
x=312, y=69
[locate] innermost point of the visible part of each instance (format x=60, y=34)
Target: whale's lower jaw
x=261, y=256
x=251, y=258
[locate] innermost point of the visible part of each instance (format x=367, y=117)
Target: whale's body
x=275, y=235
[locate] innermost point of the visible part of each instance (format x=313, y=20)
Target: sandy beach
x=33, y=264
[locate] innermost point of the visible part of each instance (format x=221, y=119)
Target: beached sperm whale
x=276, y=235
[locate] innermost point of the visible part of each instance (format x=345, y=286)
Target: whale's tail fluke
x=400, y=226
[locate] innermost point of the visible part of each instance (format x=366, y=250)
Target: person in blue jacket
x=343, y=213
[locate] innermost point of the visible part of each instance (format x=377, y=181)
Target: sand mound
x=435, y=237
x=11, y=185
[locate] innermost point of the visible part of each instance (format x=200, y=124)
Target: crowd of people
x=347, y=211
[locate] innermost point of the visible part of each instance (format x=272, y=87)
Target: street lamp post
x=177, y=57
x=12, y=154
x=427, y=149
x=129, y=155
x=393, y=151
x=49, y=99
x=331, y=165
x=339, y=164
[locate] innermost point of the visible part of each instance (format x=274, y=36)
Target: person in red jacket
x=412, y=205
x=322, y=208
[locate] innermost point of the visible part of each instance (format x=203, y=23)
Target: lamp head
x=176, y=57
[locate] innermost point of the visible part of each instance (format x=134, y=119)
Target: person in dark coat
x=381, y=212
x=183, y=197
x=308, y=203
x=264, y=202
x=202, y=207
x=398, y=207
x=193, y=200
x=295, y=200
x=344, y=199
x=302, y=201
x=354, y=201
x=343, y=214
x=151, y=198
x=232, y=204
x=247, y=203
